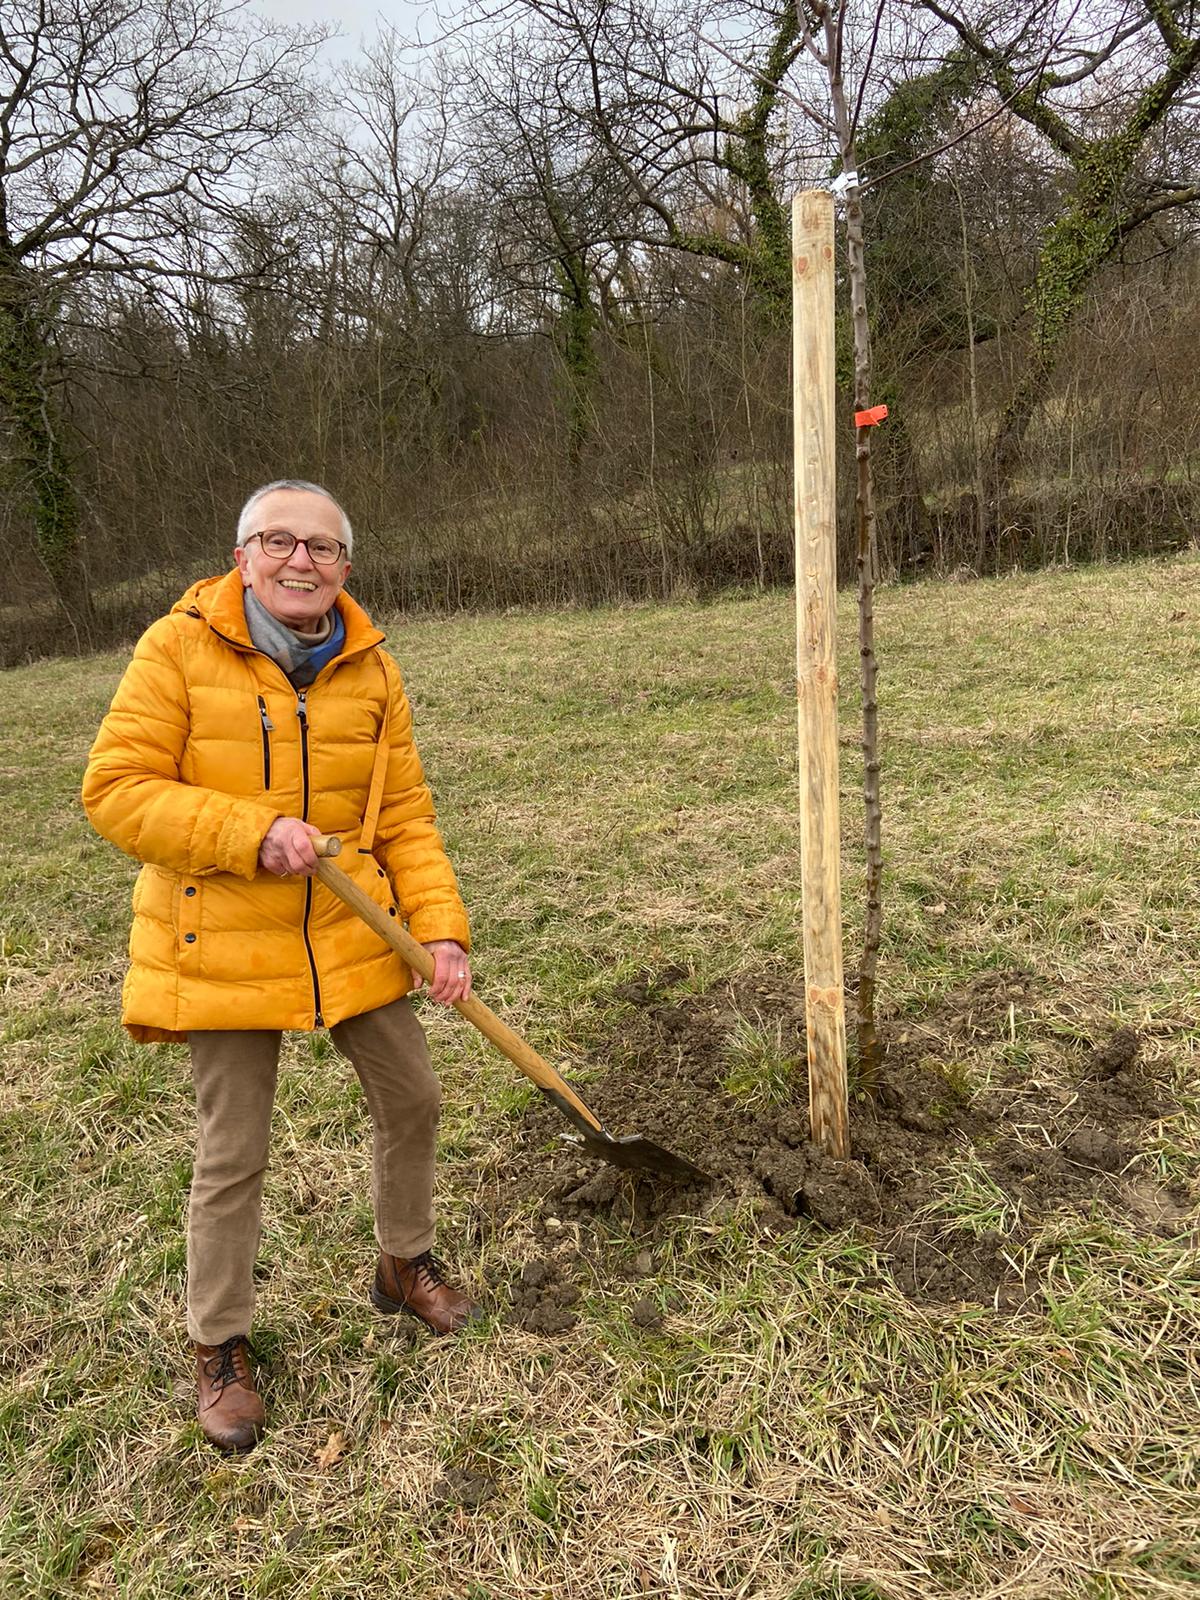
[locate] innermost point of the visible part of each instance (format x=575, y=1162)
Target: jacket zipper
x=268, y=728
x=302, y=713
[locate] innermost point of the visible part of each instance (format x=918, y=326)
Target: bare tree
x=1099, y=86
x=126, y=130
x=560, y=209
x=701, y=144
x=412, y=270
x=390, y=163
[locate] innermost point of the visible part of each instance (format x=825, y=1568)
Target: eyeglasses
x=321, y=549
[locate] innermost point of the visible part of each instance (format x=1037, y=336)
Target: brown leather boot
x=419, y=1287
x=227, y=1403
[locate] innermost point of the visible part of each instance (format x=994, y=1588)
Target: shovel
x=633, y=1152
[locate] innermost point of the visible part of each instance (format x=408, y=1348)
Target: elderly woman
x=260, y=711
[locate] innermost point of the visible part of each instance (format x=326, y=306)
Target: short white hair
x=246, y=528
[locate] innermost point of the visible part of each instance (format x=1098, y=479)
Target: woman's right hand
x=287, y=848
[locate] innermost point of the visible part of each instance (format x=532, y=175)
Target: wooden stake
x=816, y=665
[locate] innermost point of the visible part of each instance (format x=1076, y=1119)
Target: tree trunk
x=912, y=540
x=38, y=466
x=576, y=340
x=866, y=562
x=1074, y=250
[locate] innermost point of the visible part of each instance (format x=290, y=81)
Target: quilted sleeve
x=132, y=791
x=407, y=841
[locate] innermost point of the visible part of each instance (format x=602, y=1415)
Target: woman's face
x=295, y=589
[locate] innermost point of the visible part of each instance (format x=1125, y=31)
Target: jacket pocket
x=268, y=728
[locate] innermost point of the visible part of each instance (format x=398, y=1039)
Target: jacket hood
x=200, y=596
x=219, y=602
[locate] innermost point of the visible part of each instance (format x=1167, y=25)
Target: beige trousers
x=234, y=1074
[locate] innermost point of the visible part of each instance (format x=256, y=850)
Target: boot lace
x=224, y=1368
x=427, y=1270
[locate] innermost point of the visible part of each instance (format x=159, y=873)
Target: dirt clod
x=1117, y=1055
x=1092, y=1148
x=462, y=1487
x=542, y=1298
x=645, y=1313
x=808, y=1183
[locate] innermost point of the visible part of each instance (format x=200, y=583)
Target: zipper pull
x=301, y=707
x=268, y=725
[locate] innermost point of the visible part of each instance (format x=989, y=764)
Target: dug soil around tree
x=949, y=1181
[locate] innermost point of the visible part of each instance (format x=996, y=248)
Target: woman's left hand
x=452, y=973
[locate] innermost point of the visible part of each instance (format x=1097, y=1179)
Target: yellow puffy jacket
x=205, y=744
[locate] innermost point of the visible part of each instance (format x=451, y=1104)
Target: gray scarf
x=292, y=650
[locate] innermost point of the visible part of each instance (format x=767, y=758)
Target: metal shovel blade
x=632, y=1152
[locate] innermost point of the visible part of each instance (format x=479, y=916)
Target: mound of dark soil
x=1030, y=1148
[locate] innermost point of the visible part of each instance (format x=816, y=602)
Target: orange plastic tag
x=868, y=419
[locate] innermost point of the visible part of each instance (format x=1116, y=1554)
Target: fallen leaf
x=332, y=1451
x=1023, y=1507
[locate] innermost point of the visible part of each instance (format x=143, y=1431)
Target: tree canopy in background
x=521, y=298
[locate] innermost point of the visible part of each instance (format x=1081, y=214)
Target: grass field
x=618, y=792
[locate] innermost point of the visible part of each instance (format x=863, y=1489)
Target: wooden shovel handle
x=393, y=932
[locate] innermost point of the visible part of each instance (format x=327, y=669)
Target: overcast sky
x=355, y=20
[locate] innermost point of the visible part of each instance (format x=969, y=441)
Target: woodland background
x=521, y=297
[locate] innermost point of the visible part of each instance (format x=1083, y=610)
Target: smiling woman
x=261, y=711
x=293, y=553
